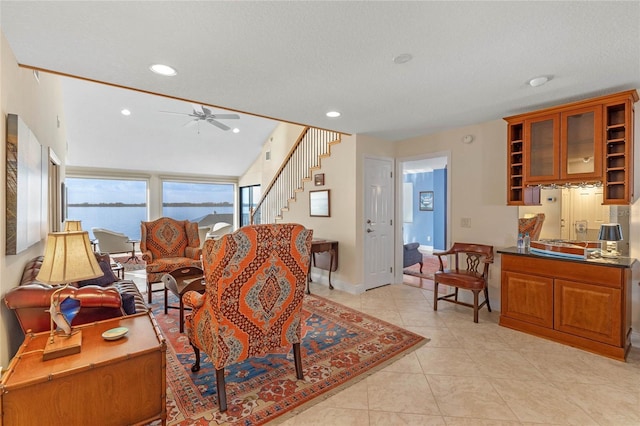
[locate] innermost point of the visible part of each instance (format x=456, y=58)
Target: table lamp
x=610, y=234
x=67, y=258
x=72, y=225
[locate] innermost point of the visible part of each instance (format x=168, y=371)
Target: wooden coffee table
x=184, y=280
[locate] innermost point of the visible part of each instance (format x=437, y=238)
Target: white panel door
x=378, y=222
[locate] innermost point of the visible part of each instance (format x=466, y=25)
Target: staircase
x=297, y=168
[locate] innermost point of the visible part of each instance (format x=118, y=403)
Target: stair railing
x=304, y=157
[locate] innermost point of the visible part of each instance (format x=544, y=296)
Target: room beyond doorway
x=425, y=201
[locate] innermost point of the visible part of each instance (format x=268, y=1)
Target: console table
x=119, y=382
x=324, y=255
x=581, y=303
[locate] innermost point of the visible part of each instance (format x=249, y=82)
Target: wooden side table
x=184, y=280
x=119, y=382
x=133, y=256
x=324, y=255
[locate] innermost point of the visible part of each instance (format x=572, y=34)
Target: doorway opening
x=424, y=215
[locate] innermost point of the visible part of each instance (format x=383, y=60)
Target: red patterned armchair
x=531, y=226
x=255, y=280
x=167, y=244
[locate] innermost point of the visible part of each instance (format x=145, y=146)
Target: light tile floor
x=475, y=374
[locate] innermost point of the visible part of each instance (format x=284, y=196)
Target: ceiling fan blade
x=218, y=124
x=190, y=123
x=197, y=109
x=177, y=113
x=225, y=116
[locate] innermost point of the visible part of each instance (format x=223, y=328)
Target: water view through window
x=114, y=204
x=121, y=204
x=205, y=203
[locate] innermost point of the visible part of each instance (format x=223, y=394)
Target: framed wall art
x=319, y=204
x=426, y=200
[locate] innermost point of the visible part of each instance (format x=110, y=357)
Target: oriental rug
x=430, y=264
x=340, y=347
x=130, y=264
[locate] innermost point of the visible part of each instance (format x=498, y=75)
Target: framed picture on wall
x=319, y=203
x=426, y=200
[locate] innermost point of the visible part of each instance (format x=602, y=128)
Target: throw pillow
x=107, y=279
x=128, y=303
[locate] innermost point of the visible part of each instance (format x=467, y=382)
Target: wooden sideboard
x=119, y=382
x=581, y=303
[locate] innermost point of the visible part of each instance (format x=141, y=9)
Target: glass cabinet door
x=542, y=149
x=581, y=143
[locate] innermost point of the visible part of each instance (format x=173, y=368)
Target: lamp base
x=63, y=346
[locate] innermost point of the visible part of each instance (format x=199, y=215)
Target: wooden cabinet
x=119, y=382
x=586, y=304
x=586, y=142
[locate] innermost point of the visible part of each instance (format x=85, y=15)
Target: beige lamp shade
x=68, y=257
x=72, y=225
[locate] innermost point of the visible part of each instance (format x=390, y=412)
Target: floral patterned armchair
x=255, y=280
x=168, y=244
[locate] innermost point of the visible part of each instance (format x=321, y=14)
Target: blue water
x=127, y=219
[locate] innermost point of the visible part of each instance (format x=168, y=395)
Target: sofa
x=109, y=298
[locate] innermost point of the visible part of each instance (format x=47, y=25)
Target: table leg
x=181, y=315
x=331, y=254
x=166, y=300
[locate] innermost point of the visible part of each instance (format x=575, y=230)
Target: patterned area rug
x=340, y=347
x=130, y=264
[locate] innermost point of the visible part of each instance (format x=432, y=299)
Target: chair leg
x=475, y=305
x=298, y=360
x=421, y=264
x=435, y=295
x=149, y=294
x=456, y=297
x=486, y=297
x=196, y=365
x=222, y=390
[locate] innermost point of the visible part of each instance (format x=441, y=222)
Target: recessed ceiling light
x=165, y=70
x=236, y=130
x=125, y=111
x=333, y=114
x=538, y=81
x=402, y=58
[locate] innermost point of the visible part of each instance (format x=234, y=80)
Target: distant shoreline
x=224, y=204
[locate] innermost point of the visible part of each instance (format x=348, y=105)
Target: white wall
x=40, y=106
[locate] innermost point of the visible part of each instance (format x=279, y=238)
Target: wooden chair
x=473, y=278
x=254, y=286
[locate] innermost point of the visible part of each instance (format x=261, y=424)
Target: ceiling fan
x=202, y=113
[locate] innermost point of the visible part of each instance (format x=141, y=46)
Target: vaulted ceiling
x=296, y=60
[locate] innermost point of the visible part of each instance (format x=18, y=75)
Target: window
x=114, y=204
x=205, y=203
x=249, y=197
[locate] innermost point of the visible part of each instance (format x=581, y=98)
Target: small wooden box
x=119, y=382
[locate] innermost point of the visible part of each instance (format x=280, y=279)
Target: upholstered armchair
x=112, y=242
x=255, y=281
x=167, y=244
x=531, y=226
x=411, y=255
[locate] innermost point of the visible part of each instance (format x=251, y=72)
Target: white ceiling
x=296, y=60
